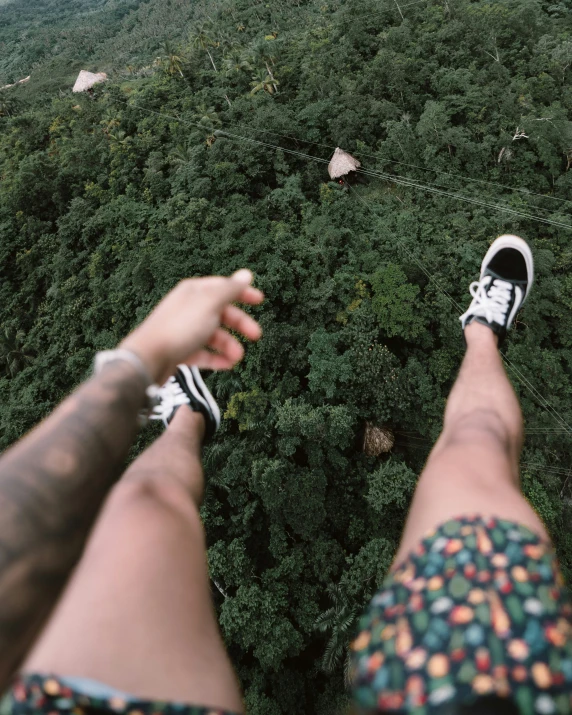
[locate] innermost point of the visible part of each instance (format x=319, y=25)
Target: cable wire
x=526, y=383
x=452, y=174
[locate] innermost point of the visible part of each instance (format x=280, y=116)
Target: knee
x=486, y=427
x=153, y=505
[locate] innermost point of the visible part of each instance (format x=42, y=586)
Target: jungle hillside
x=206, y=150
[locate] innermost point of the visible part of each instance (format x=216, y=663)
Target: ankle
x=479, y=334
x=188, y=422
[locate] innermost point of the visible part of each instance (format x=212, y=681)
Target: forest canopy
x=206, y=151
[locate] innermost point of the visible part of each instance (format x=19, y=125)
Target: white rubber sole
x=508, y=241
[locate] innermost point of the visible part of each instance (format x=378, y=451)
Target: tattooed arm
x=52, y=485
x=54, y=481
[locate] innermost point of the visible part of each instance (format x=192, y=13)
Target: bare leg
x=474, y=466
x=137, y=614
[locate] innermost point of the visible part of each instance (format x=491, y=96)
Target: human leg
x=474, y=466
x=137, y=614
x=473, y=613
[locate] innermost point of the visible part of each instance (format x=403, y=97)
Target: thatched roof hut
x=86, y=80
x=377, y=440
x=342, y=163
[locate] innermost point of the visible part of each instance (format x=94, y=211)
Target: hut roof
x=86, y=80
x=342, y=163
x=377, y=440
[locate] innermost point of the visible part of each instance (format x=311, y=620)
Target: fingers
x=238, y=288
x=251, y=296
x=236, y=319
x=231, y=288
x=226, y=344
x=228, y=351
x=243, y=276
x=205, y=360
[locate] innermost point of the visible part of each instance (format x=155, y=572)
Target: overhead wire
x=545, y=469
x=478, y=202
x=521, y=378
x=535, y=393
x=524, y=381
x=411, y=183
x=377, y=12
x=422, y=445
x=452, y=174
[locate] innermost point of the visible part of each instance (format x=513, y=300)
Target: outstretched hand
x=186, y=325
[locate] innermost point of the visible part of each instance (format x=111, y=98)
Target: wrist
x=127, y=380
x=132, y=365
x=155, y=366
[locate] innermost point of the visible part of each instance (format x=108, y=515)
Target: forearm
x=52, y=485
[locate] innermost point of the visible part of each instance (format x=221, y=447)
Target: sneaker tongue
x=495, y=276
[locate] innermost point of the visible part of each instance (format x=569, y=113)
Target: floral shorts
x=479, y=608
x=36, y=694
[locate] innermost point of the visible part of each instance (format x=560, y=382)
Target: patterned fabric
x=479, y=608
x=37, y=694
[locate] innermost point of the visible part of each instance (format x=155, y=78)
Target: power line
x=547, y=469
x=522, y=379
x=376, y=12
x=478, y=202
x=411, y=184
x=452, y=174
x=526, y=383
x=535, y=393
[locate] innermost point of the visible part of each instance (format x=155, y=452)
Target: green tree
x=338, y=623
x=395, y=303
x=173, y=58
x=263, y=81
x=201, y=39
x=14, y=355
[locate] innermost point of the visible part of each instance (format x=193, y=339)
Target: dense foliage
x=172, y=169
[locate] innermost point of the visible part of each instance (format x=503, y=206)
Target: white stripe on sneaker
x=517, y=303
x=190, y=380
x=206, y=393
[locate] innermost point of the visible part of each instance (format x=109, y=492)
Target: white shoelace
x=490, y=303
x=171, y=395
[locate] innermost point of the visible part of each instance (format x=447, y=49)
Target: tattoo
x=52, y=485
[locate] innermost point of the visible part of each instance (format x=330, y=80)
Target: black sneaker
x=186, y=387
x=507, y=273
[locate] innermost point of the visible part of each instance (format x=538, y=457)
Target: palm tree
x=338, y=621
x=263, y=52
x=13, y=355
x=181, y=156
x=263, y=81
x=227, y=40
x=7, y=104
x=206, y=118
x=201, y=39
x=120, y=138
x=235, y=64
x=174, y=60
